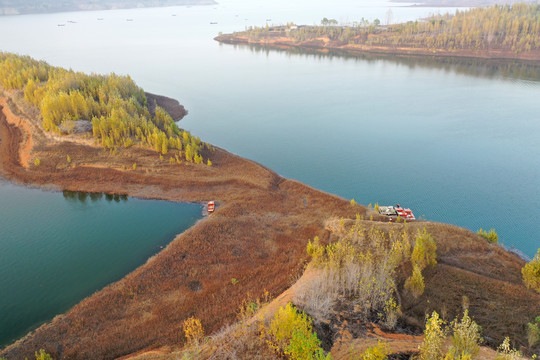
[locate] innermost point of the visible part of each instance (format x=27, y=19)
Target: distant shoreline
x=325, y=46
x=22, y=9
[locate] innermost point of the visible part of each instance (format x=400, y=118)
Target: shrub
x=425, y=250
x=490, y=236
x=42, y=355
x=290, y=333
x=505, y=352
x=353, y=202
x=531, y=273
x=533, y=332
x=68, y=158
x=466, y=338
x=305, y=347
x=209, y=163
x=315, y=249
x=415, y=283
x=376, y=352
x=37, y=162
x=193, y=330
x=431, y=348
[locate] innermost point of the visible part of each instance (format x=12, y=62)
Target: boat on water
x=213, y=23
x=129, y=19
x=61, y=24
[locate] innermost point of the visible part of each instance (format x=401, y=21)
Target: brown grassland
x=257, y=235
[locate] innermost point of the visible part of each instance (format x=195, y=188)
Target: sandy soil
x=257, y=235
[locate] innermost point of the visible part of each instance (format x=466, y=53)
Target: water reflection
x=82, y=197
x=480, y=68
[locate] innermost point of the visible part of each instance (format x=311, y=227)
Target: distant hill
x=466, y=3
x=16, y=7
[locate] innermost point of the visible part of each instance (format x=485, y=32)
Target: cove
x=58, y=248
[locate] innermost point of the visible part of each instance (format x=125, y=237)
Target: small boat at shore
x=211, y=206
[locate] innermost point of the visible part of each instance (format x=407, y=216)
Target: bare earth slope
x=257, y=236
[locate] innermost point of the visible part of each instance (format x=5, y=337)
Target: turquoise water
x=56, y=249
x=455, y=141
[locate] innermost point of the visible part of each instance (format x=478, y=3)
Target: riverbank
x=257, y=236
x=325, y=45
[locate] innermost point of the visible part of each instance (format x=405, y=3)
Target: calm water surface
x=455, y=141
x=56, y=249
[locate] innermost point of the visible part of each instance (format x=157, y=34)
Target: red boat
x=211, y=206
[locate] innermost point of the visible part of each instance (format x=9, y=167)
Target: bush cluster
x=490, y=236
x=531, y=273
x=359, y=268
x=115, y=105
x=290, y=333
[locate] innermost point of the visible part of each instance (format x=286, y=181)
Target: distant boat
x=72, y=22
x=173, y=14
x=100, y=18
x=268, y=19
x=129, y=19
x=61, y=24
x=213, y=23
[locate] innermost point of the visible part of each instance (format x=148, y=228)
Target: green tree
x=425, y=250
x=415, y=283
x=432, y=347
x=466, y=338
x=533, y=332
x=291, y=333
x=531, y=273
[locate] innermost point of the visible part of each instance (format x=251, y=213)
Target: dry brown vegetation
x=257, y=235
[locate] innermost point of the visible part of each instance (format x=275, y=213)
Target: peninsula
x=508, y=32
x=252, y=247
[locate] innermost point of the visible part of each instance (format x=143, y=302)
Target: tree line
x=115, y=105
x=506, y=27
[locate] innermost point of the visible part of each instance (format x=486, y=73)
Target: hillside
x=252, y=247
x=17, y=7
x=497, y=32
